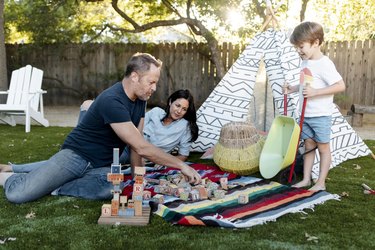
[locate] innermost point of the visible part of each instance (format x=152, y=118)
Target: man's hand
x=191, y=174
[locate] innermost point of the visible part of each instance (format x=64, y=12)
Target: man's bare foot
x=317, y=187
x=5, y=168
x=302, y=184
x=4, y=177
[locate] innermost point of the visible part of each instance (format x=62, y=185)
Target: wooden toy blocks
x=106, y=210
x=243, y=199
x=117, y=213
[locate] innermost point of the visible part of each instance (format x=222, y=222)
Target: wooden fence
x=355, y=61
x=75, y=72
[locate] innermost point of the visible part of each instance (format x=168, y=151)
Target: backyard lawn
x=71, y=223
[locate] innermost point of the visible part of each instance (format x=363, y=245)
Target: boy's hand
x=309, y=92
x=287, y=88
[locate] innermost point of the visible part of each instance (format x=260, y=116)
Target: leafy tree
x=41, y=21
x=65, y=21
x=3, y=66
x=74, y=20
x=345, y=20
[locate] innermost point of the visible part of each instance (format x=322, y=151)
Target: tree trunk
x=3, y=58
x=303, y=10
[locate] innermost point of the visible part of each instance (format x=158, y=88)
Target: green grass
x=71, y=223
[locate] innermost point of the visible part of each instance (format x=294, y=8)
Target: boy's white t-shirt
x=324, y=74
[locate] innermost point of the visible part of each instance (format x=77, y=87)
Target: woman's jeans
x=66, y=173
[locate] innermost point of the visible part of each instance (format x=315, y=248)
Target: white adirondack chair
x=24, y=97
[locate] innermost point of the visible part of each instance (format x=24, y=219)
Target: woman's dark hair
x=190, y=115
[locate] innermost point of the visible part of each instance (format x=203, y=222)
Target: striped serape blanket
x=268, y=200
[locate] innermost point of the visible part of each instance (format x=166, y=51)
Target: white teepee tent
x=231, y=99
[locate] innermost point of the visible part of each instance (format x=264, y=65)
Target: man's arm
x=181, y=157
x=132, y=136
x=136, y=159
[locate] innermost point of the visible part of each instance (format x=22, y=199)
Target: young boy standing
x=308, y=37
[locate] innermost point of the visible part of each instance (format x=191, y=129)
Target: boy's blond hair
x=307, y=32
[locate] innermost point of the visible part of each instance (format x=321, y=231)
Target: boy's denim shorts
x=317, y=128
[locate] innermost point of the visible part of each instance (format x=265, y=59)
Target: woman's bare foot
x=5, y=168
x=317, y=187
x=302, y=184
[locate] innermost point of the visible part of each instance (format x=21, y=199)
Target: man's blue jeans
x=66, y=172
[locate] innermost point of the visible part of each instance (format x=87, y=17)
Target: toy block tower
x=117, y=213
x=138, y=189
x=116, y=178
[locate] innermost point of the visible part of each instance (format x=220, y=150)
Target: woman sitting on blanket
x=171, y=128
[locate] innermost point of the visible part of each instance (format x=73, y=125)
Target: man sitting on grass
x=113, y=121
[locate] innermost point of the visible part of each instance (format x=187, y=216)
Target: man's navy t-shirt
x=93, y=138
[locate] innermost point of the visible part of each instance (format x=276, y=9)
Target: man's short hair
x=141, y=62
x=307, y=32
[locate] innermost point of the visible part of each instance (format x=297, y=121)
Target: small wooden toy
x=163, y=182
x=203, y=195
x=146, y=195
x=243, y=199
x=203, y=181
x=123, y=201
x=184, y=196
x=130, y=212
x=138, y=207
x=130, y=203
x=194, y=195
x=219, y=194
x=158, y=198
x=106, y=210
x=224, y=183
x=114, y=207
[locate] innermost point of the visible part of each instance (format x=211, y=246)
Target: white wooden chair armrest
x=41, y=91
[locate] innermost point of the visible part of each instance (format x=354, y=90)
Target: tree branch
x=303, y=10
x=188, y=6
x=99, y=34
x=171, y=7
x=195, y=25
x=123, y=14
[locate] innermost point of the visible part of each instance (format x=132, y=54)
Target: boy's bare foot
x=317, y=187
x=302, y=184
x=5, y=168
